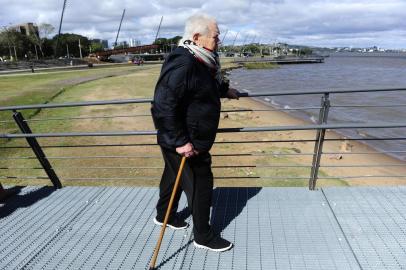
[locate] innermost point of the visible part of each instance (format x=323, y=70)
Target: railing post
x=318, y=146
x=36, y=148
x=6, y=193
x=2, y=192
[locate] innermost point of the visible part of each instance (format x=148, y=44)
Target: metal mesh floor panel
x=272, y=228
x=374, y=222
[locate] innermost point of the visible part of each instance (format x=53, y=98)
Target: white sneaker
x=175, y=224
x=217, y=244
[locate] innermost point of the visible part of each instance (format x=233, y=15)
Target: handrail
x=149, y=100
x=226, y=142
x=220, y=130
x=317, y=92
x=75, y=104
x=149, y=115
x=213, y=166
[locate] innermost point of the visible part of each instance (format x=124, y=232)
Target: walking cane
x=175, y=188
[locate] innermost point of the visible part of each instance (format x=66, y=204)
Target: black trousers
x=196, y=182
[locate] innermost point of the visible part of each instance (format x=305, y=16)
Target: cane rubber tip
x=152, y=268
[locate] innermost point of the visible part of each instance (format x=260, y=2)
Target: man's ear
x=196, y=37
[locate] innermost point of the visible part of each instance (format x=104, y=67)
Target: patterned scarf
x=207, y=57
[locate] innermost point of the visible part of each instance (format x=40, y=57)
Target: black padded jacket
x=186, y=106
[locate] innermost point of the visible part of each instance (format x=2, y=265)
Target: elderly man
x=186, y=112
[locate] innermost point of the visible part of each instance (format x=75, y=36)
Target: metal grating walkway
x=272, y=228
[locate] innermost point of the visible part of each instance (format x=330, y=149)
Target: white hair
x=198, y=24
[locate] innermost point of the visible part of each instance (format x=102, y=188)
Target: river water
x=340, y=72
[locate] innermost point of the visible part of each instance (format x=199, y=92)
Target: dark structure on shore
x=144, y=49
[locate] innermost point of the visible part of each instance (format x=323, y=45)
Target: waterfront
x=339, y=72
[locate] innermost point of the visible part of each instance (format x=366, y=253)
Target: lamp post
x=60, y=27
x=80, y=50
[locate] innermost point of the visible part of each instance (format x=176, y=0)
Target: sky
x=322, y=23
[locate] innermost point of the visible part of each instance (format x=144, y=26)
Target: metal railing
x=321, y=127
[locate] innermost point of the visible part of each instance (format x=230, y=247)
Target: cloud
x=313, y=22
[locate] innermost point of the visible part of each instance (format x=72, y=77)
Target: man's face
x=211, y=40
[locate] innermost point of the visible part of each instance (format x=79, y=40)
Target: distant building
x=103, y=42
x=134, y=42
x=27, y=29
x=123, y=44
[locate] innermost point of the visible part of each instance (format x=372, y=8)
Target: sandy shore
x=348, y=148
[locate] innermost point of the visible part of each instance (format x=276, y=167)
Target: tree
x=95, y=47
x=71, y=42
x=45, y=29
x=18, y=45
x=305, y=51
x=5, y=46
x=36, y=41
x=175, y=40
x=15, y=43
x=160, y=41
x=48, y=47
x=251, y=48
x=265, y=51
x=8, y=40
x=167, y=43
